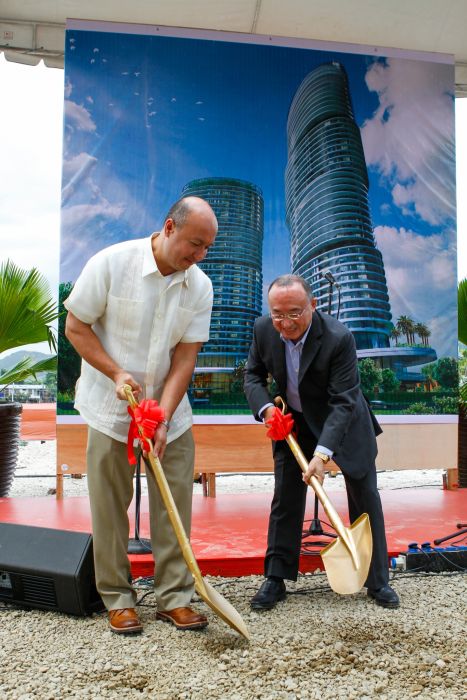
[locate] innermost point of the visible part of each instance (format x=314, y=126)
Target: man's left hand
x=315, y=468
x=160, y=440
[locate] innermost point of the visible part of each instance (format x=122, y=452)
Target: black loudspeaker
x=48, y=569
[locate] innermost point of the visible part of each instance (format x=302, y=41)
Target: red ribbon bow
x=280, y=425
x=147, y=416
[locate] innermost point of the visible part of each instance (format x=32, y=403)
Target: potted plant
x=27, y=312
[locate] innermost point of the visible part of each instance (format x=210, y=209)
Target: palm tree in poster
x=423, y=332
x=406, y=326
x=429, y=372
x=395, y=334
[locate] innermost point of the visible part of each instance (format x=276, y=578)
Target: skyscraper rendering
x=327, y=206
x=234, y=265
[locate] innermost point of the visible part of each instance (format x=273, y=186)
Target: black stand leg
x=462, y=530
x=136, y=545
x=315, y=525
x=316, y=530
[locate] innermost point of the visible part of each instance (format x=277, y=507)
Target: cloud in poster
x=76, y=173
x=79, y=180
x=421, y=275
x=85, y=207
x=80, y=215
x=78, y=117
x=100, y=216
x=410, y=138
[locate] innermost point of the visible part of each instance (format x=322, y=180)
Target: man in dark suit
x=313, y=360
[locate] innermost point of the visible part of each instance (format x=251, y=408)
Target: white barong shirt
x=139, y=316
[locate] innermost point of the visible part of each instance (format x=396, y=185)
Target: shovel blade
x=343, y=576
x=222, y=608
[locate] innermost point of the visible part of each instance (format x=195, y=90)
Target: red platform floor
x=229, y=531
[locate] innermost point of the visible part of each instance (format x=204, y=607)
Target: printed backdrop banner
x=333, y=163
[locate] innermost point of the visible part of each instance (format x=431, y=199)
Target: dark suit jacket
x=329, y=386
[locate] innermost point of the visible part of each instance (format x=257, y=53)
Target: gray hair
x=289, y=280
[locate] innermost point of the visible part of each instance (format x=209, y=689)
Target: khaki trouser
x=110, y=483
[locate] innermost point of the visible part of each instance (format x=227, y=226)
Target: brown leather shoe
x=183, y=618
x=125, y=621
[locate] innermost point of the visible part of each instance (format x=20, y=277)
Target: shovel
x=215, y=600
x=346, y=559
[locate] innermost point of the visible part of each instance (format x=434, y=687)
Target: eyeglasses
x=292, y=317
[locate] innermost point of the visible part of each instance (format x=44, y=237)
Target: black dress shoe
x=385, y=596
x=270, y=593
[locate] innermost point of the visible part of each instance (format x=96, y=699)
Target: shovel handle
x=329, y=509
x=169, y=503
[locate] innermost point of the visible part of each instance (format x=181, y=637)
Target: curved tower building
x=327, y=206
x=234, y=264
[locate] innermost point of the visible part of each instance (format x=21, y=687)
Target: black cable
x=428, y=556
x=416, y=486
x=307, y=591
x=139, y=603
x=417, y=573
x=452, y=563
x=316, y=544
x=311, y=575
x=457, y=543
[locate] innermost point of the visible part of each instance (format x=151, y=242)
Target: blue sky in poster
x=146, y=114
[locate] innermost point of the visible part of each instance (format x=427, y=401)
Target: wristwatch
x=322, y=456
x=166, y=423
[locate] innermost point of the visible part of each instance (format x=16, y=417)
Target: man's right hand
x=268, y=413
x=315, y=468
x=122, y=378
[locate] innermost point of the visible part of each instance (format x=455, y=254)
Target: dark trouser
x=363, y=497
x=288, y=512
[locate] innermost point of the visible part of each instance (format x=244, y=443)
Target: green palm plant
x=27, y=313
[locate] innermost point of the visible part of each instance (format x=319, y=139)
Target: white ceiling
x=34, y=29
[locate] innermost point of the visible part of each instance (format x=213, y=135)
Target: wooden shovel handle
x=329, y=509
x=170, y=504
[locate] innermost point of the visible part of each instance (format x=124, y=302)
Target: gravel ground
x=314, y=645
